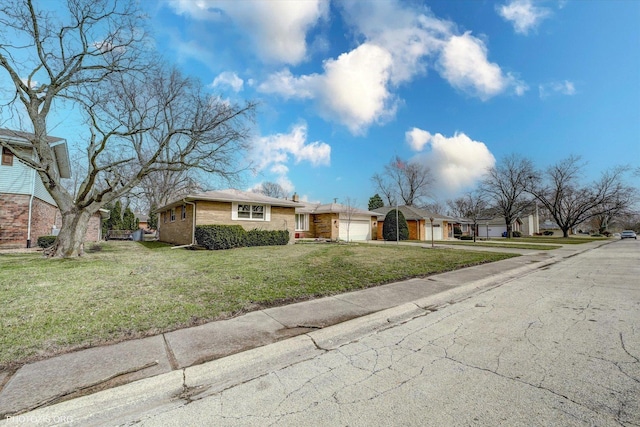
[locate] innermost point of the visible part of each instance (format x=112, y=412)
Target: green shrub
x=221, y=236
x=389, y=226
x=466, y=237
x=257, y=237
x=516, y=234
x=46, y=241
x=234, y=236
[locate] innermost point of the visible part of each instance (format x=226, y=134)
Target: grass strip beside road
x=125, y=290
x=576, y=240
x=492, y=244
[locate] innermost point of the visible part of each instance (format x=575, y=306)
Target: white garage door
x=358, y=230
x=437, y=232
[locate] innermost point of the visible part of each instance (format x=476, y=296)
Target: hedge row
x=46, y=241
x=234, y=236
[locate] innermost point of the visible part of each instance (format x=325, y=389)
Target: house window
x=183, y=213
x=255, y=212
x=173, y=215
x=7, y=157
x=302, y=222
x=165, y=216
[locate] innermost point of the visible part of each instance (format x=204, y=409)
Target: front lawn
x=124, y=290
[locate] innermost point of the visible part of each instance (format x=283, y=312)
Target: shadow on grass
x=154, y=245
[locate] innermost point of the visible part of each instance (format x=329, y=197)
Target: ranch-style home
x=177, y=220
x=419, y=223
x=334, y=221
x=27, y=210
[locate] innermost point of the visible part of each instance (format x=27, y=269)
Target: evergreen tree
x=389, y=226
x=152, y=221
x=115, y=216
x=106, y=224
x=128, y=220
x=375, y=202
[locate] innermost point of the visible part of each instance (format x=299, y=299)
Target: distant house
x=527, y=223
x=27, y=210
x=419, y=223
x=550, y=228
x=143, y=221
x=334, y=221
x=178, y=219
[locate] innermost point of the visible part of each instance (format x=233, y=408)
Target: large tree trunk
x=565, y=232
x=70, y=241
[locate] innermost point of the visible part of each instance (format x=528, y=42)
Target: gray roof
x=412, y=213
x=232, y=196
x=59, y=145
x=319, y=208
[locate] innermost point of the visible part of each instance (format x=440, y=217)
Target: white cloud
x=562, y=88
x=277, y=28
x=230, y=79
x=351, y=91
x=465, y=66
x=274, y=151
x=357, y=89
x=523, y=15
x=457, y=162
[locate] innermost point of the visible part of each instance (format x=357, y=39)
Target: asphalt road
x=560, y=346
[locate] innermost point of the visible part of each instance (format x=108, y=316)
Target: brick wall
x=177, y=232
x=14, y=220
x=325, y=226
x=93, y=230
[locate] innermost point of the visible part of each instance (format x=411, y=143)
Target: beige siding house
x=177, y=220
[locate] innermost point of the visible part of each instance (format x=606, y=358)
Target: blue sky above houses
x=344, y=86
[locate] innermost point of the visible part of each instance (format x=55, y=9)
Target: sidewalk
x=88, y=371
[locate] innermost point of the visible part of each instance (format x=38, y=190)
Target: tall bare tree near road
x=470, y=206
x=141, y=116
x=410, y=181
x=504, y=187
x=570, y=201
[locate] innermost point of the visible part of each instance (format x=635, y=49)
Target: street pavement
x=552, y=340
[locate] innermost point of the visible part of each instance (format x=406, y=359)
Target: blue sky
x=344, y=86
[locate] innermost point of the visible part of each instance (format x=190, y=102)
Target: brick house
x=27, y=210
x=177, y=220
x=419, y=223
x=334, y=221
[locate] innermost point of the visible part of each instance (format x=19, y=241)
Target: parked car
x=628, y=234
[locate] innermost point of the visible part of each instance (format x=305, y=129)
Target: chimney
x=295, y=197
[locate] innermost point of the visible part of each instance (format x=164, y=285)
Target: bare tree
x=142, y=117
x=384, y=187
x=436, y=207
x=164, y=186
x=570, y=202
x=271, y=189
x=348, y=211
x=504, y=187
x=409, y=180
x=470, y=206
